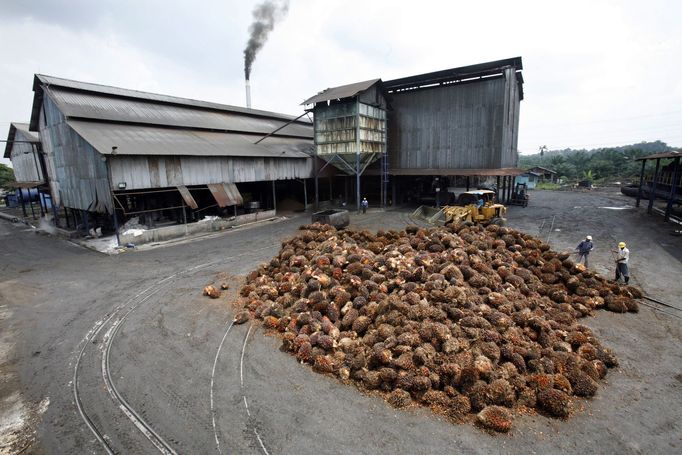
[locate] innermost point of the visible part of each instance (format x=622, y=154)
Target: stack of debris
x=461, y=319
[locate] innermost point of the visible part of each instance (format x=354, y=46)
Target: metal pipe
x=641, y=182
x=248, y=94
x=280, y=128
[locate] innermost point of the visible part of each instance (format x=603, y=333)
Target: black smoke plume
x=264, y=17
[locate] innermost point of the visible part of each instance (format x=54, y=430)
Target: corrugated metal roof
x=22, y=128
x=462, y=72
x=95, y=106
x=343, y=91
x=52, y=81
x=150, y=140
x=672, y=154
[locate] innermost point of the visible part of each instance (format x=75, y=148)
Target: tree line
x=6, y=176
x=595, y=164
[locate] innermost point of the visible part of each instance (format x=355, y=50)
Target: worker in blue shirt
x=583, y=249
x=364, y=204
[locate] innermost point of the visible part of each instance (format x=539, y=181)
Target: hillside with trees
x=603, y=164
x=6, y=176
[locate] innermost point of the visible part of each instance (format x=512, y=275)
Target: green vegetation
x=605, y=164
x=547, y=186
x=6, y=176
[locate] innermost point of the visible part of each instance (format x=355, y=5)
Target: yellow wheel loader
x=476, y=206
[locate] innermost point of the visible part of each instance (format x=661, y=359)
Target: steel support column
x=357, y=153
x=21, y=199
x=673, y=188
x=305, y=195
x=30, y=203
x=641, y=182
x=118, y=239
x=652, y=195
x=317, y=188
x=357, y=181
x=331, y=189
x=497, y=190
x=274, y=197
x=394, y=191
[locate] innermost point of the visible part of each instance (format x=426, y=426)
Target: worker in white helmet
x=623, y=256
x=583, y=249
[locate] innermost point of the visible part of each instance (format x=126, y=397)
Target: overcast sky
x=597, y=73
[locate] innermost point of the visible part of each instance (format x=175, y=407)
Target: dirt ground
x=204, y=386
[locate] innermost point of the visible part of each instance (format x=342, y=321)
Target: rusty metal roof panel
x=662, y=155
x=343, y=91
x=151, y=140
x=226, y=194
x=93, y=106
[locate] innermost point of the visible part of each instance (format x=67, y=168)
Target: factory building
x=112, y=153
x=418, y=136
x=23, y=148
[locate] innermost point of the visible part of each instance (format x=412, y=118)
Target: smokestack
x=264, y=17
x=248, y=94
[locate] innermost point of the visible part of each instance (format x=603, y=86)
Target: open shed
x=113, y=152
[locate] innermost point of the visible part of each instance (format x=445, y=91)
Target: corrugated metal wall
x=462, y=126
x=139, y=172
x=78, y=175
x=25, y=160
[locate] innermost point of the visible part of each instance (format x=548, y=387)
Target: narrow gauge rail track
x=119, y=315
x=676, y=313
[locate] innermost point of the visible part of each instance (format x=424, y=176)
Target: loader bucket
x=431, y=215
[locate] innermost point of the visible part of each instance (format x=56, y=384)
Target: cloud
x=597, y=72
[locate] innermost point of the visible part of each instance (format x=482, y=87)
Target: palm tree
x=588, y=175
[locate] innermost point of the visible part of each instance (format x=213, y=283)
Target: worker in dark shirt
x=583, y=249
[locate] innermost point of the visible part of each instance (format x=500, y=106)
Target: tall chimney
x=248, y=94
